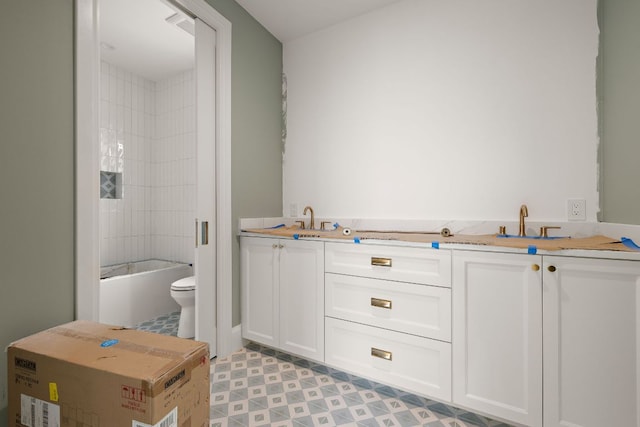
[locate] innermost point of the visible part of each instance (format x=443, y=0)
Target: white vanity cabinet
x=591, y=342
x=388, y=315
x=282, y=285
x=497, y=334
x=549, y=341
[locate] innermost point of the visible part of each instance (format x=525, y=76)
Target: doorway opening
x=116, y=133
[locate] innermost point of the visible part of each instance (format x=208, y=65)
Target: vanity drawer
x=404, y=307
x=405, y=264
x=411, y=363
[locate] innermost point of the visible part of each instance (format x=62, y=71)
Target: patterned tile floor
x=166, y=324
x=258, y=386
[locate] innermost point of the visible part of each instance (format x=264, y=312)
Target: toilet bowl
x=183, y=291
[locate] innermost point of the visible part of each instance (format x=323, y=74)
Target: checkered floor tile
x=165, y=325
x=258, y=386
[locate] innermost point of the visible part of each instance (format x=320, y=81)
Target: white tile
x=119, y=257
x=112, y=231
x=113, y=88
x=104, y=86
x=120, y=91
x=120, y=118
x=112, y=115
x=127, y=92
x=127, y=119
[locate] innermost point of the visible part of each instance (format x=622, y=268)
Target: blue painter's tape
x=356, y=240
x=109, y=343
x=336, y=225
x=629, y=243
x=532, y=250
x=435, y=245
x=296, y=236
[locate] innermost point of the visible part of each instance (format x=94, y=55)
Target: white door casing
x=205, y=254
x=87, y=165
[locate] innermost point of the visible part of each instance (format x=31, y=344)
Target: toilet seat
x=185, y=284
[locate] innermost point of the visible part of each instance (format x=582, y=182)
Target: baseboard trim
x=236, y=338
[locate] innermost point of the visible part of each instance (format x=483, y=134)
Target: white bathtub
x=134, y=292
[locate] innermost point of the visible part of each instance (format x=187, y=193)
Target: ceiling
x=135, y=35
x=290, y=19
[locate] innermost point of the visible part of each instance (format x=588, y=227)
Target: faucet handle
x=323, y=223
x=301, y=224
x=544, y=228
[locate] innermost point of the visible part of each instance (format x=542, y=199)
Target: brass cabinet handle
x=551, y=268
x=382, y=354
x=535, y=267
x=381, y=262
x=382, y=303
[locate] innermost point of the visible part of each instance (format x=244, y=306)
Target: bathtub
x=138, y=291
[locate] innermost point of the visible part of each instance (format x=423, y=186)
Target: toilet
x=183, y=291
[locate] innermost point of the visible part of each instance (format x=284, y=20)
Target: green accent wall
x=619, y=99
x=36, y=171
x=256, y=131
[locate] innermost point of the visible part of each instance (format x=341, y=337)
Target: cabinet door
x=497, y=335
x=259, y=260
x=301, y=311
x=591, y=342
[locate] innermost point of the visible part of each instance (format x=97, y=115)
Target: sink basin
x=514, y=236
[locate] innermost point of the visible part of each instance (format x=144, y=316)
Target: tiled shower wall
x=147, y=133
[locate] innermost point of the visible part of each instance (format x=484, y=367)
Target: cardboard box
x=85, y=374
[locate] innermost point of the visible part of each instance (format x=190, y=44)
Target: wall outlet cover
x=576, y=210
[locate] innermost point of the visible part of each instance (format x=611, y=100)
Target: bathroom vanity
x=536, y=339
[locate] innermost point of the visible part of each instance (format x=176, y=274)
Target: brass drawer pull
x=381, y=262
x=382, y=303
x=386, y=355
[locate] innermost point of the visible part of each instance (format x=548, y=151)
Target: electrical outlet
x=576, y=210
x=293, y=209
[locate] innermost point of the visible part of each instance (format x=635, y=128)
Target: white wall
x=147, y=133
x=453, y=109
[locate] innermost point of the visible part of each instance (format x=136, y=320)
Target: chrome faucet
x=524, y=212
x=312, y=223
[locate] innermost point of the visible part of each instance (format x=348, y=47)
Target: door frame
x=87, y=250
